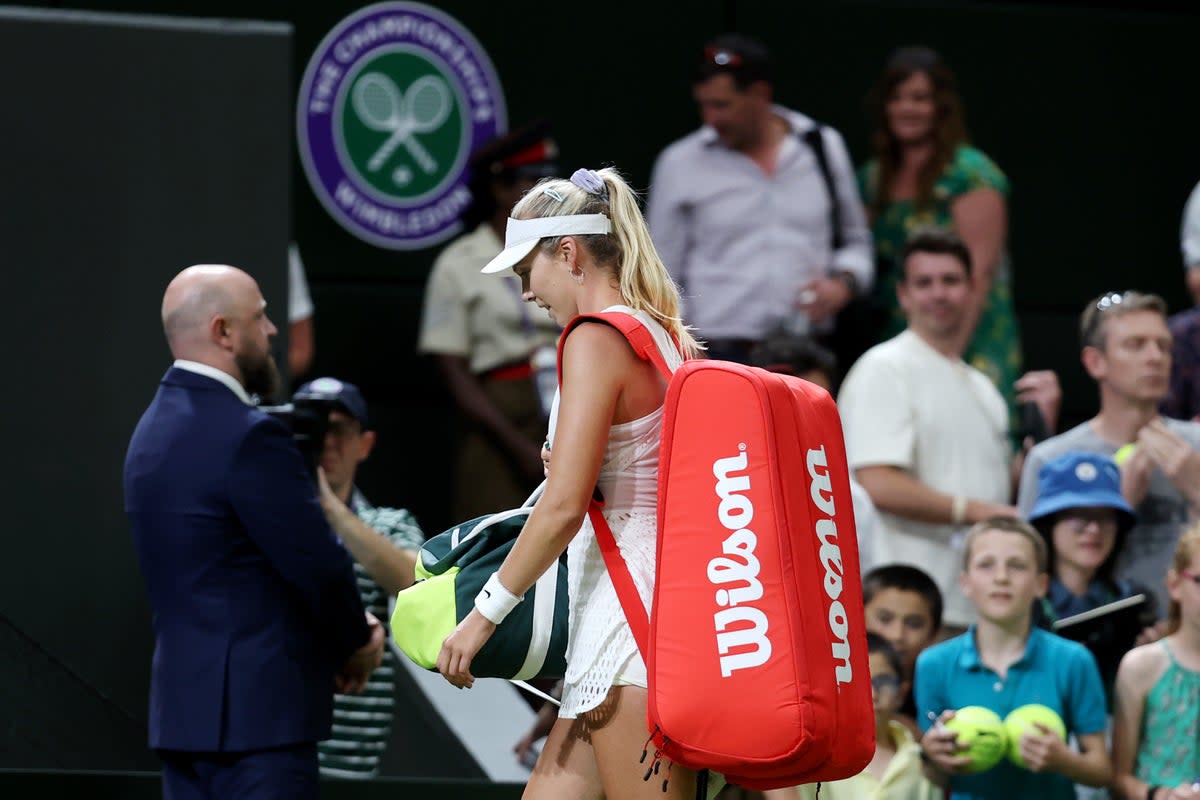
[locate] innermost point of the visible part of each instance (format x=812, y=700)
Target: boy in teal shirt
x=1004, y=662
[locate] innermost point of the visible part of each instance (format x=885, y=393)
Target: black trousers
x=285, y=773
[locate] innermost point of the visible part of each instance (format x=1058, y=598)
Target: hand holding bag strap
x=627, y=593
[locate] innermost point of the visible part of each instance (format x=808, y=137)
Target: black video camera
x=308, y=420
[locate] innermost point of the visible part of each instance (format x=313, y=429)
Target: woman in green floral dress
x=925, y=173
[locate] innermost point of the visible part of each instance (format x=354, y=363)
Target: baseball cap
x=527, y=152
x=345, y=395
x=1081, y=480
x=743, y=57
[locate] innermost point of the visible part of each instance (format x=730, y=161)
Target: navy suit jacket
x=254, y=600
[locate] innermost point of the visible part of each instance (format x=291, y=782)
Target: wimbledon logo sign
x=394, y=100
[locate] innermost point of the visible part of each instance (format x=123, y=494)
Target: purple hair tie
x=591, y=183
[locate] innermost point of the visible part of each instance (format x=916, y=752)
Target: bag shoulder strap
x=618, y=571
x=815, y=139
x=638, y=336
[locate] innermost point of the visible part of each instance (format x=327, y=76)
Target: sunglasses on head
x=722, y=56
x=1107, y=302
x=1110, y=300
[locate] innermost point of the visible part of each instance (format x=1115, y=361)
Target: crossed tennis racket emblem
x=421, y=109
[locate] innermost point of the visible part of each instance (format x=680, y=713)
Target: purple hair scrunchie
x=590, y=182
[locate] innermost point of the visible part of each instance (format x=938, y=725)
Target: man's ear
x=1094, y=361
x=366, y=443
x=220, y=331
x=761, y=91
x=902, y=295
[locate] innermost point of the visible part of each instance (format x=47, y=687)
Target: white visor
x=523, y=234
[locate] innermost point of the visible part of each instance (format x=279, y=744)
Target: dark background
x=1089, y=109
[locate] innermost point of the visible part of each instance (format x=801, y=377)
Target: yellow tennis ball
x=982, y=731
x=1122, y=454
x=1020, y=721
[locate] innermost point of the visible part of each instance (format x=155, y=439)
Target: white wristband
x=494, y=601
x=958, y=510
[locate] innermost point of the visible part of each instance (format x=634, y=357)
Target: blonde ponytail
x=644, y=280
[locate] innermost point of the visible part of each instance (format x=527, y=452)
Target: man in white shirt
x=756, y=214
x=926, y=433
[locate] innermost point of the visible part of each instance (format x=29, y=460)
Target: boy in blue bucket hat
x=1084, y=519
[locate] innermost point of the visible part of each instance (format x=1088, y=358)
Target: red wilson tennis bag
x=756, y=643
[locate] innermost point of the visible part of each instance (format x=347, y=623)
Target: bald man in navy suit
x=257, y=618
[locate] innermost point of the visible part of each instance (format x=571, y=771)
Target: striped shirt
x=362, y=723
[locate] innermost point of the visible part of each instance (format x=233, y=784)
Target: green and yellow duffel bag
x=451, y=569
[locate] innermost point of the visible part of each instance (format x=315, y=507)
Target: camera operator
x=384, y=544
x=256, y=614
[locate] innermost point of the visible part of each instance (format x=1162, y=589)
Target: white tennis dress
x=601, y=650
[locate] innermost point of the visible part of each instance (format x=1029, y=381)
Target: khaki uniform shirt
x=480, y=317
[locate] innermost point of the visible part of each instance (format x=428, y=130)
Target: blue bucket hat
x=1081, y=480
x=345, y=395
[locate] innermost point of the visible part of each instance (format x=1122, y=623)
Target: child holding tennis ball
x=1156, y=753
x=1004, y=662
